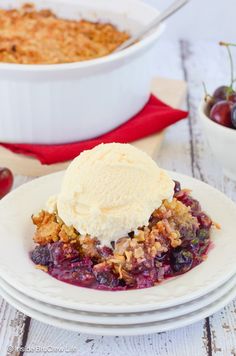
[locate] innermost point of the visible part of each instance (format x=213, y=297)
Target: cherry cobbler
x=176, y=240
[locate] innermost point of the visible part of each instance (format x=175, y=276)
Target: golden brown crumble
x=28, y=36
x=50, y=228
x=42, y=268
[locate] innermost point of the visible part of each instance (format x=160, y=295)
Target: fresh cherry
x=233, y=115
x=221, y=113
x=224, y=93
x=221, y=93
x=6, y=181
x=232, y=97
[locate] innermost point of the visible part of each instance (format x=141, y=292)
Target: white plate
x=124, y=330
x=17, y=269
x=120, y=319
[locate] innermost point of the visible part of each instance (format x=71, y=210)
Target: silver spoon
x=163, y=16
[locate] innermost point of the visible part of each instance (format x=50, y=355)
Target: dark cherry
x=6, y=181
x=233, y=115
x=232, y=97
x=221, y=93
x=221, y=113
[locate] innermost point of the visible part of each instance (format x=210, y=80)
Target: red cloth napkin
x=154, y=117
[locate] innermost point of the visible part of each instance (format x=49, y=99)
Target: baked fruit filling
x=176, y=240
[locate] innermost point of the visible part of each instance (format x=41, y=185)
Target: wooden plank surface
x=196, y=59
x=185, y=150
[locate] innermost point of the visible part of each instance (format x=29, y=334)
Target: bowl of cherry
x=218, y=115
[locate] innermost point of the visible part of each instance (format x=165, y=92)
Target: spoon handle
x=175, y=6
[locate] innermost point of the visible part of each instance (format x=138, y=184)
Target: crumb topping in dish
x=28, y=36
x=176, y=240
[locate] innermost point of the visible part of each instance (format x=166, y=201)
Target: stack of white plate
x=174, y=303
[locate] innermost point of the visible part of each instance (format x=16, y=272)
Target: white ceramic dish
x=76, y=101
x=17, y=269
x=222, y=141
x=120, y=319
x=124, y=330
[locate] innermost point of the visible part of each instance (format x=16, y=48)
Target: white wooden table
x=184, y=150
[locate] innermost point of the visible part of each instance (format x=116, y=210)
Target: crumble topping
x=28, y=36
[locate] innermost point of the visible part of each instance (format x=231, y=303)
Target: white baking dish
x=62, y=103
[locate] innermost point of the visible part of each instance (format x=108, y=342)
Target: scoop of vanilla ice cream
x=112, y=190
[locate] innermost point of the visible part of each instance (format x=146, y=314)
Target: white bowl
x=222, y=141
x=63, y=103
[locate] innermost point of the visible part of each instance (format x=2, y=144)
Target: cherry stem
x=228, y=45
x=204, y=88
x=205, y=91
x=231, y=67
